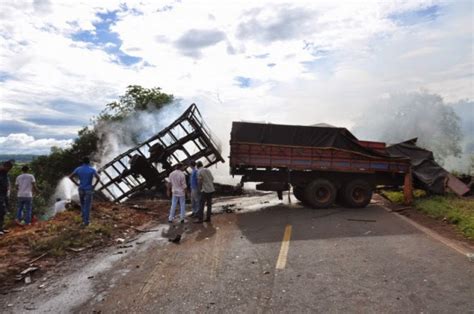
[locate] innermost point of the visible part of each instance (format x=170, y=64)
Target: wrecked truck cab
x=147, y=165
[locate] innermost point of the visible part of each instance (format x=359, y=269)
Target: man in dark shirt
x=4, y=187
x=86, y=190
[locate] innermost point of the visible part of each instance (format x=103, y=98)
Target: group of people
x=201, y=186
x=25, y=185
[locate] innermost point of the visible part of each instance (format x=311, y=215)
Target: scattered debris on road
x=362, y=220
x=176, y=239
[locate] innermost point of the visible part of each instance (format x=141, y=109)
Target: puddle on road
x=248, y=204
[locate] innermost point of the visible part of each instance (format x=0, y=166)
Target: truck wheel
x=320, y=193
x=298, y=192
x=357, y=193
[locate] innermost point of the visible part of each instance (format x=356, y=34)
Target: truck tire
x=298, y=192
x=320, y=193
x=357, y=193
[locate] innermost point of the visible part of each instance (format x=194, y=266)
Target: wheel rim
x=323, y=194
x=358, y=194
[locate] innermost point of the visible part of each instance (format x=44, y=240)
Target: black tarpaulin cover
x=428, y=174
x=296, y=135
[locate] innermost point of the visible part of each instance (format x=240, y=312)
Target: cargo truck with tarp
x=320, y=163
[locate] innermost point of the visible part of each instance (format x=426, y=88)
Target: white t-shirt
x=178, y=183
x=25, y=184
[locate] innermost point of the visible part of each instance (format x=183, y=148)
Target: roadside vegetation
x=448, y=208
x=62, y=236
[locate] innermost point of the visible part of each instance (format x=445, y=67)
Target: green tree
x=136, y=99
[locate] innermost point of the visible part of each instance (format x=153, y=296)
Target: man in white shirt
x=25, y=184
x=177, y=189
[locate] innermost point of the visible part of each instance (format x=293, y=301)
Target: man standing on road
x=177, y=190
x=206, y=186
x=195, y=192
x=4, y=189
x=25, y=184
x=86, y=173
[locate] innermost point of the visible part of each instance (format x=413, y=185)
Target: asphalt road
x=335, y=263
x=337, y=260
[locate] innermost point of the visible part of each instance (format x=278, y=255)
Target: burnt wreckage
x=147, y=165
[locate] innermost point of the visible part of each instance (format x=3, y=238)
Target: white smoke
x=424, y=115
x=392, y=119
x=119, y=136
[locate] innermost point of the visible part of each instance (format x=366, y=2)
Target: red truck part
x=322, y=164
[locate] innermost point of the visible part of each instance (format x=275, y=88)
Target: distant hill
x=22, y=158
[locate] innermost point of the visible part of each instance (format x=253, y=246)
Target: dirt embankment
x=47, y=243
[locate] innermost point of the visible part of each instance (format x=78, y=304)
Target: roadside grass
x=449, y=208
x=397, y=196
x=459, y=212
x=58, y=238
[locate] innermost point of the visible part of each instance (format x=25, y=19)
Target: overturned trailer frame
x=187, y=139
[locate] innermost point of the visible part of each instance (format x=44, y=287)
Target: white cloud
x=327, y=69
x=19, y=143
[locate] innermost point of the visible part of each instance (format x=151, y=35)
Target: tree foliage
x=136, y=98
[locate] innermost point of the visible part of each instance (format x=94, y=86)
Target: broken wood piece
x=29, y=270
x=401, y=209
x=37, y=258
x=125, y=246
x=77, y=250
x=149, y=230
x=363, y=220
x=140, y=207
x=456, y=185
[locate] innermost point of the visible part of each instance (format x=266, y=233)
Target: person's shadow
x=206, y=230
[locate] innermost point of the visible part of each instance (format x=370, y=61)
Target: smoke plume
x=403, y=116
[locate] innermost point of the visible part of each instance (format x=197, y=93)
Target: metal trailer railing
x=187, y=138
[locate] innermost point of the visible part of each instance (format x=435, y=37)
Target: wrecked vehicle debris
x=427, y=173
x=146, y=165
x=176, y=239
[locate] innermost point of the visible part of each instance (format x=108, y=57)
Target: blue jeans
x=182, y=204
x=195, y=200
x=85, y=196
x=24, y=203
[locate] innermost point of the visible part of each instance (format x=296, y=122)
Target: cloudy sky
x=299, y=62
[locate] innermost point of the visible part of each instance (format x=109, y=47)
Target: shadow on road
x=268, y=224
